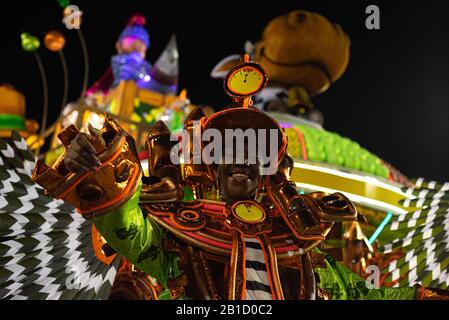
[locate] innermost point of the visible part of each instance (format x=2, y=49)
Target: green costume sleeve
x=343, y=284
x=139, y=239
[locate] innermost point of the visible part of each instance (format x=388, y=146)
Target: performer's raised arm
x=100, y=174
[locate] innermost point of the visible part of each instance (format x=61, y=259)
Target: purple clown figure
x=130, y=64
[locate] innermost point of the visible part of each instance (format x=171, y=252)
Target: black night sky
x=393, y=99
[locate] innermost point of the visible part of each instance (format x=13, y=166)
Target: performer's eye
x=123, y=170
x=90, y=192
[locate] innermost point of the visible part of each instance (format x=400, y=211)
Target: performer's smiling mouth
x=240, y=176
x=241, y=173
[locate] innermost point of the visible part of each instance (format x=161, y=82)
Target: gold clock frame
x=246, y=64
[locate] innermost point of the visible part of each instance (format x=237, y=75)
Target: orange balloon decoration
x=54, y=41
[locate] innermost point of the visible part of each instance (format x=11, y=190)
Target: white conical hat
x=167, y=65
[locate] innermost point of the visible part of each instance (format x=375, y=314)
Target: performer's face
x=238, y=181
x=131, y=44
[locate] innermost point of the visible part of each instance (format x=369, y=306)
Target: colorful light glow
x=381, y=227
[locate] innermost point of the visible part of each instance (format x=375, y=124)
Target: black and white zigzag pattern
x=423, y=237
x=257, y=283
x=45, y=246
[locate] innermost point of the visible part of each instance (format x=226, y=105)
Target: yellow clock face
x=245, y=80
x=249, y=212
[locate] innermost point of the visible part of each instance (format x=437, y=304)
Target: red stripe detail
x=213, y=207
x=221, y=244
x=303, y=143
x=201, y=238
x=143, y=155
x=286, y=249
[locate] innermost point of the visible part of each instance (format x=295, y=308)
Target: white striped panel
x=258, y=295
x=260, y=276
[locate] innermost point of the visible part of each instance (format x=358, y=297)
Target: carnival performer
x=247, y=235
